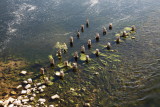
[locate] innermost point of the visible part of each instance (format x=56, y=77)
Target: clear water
x=30, y=29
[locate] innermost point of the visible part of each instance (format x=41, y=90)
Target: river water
x=31, y=28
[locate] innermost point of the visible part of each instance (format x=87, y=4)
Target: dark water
x=31, y=28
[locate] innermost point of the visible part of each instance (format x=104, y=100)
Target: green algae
x=127, y=29
x=83, y=57
x=61, y=46
x=60, y=65
x=50, y=56
x=117, y=34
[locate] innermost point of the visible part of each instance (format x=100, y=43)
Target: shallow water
x=30, y=29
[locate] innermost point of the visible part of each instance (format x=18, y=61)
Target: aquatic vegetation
x=62, y=46
x=127, y=29
x=82, y=57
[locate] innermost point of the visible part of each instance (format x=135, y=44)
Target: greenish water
x=128, y=77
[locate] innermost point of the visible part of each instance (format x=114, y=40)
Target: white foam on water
x=93, y=2
x=65, y=34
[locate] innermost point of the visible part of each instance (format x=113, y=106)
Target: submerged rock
x=42, y=100
x=11, y=105
x=87, y=105
x=28, y=86
x=13, y=93
x=25, y=100
x=23, y=72
x=17, y=102
x=29, y=80
x=55, y=97
x=51, y=105
x=19, y=86
x=24, y=92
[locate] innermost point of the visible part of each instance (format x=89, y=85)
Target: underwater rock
x=97, y=36
x=110, y=26
x=1, y=103
x=28, y=91
x=19, y=97
x=60, y=74
x=104, y=30
x=89, y=43
x=11, y=105
x=56, y=96
x=42, y=100
x=82, y=49
x=24, y=92
x=96, y=73
x=87, y=23
x=17, y=102
x=34, y=95
x=25, y=82
x=27, y=86
x=46, y=79
x=38, y=84
x=133, y=37
x=41, y=90
x=11, y=100
x=51, y=105
x=23, y=72
x=25, y=100
x=13, y=93
x=43, y=86
x=86, y=105
x=29, y=80
x=19, y=86
x=31, y=99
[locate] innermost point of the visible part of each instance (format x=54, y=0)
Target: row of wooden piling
x=97, y=52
